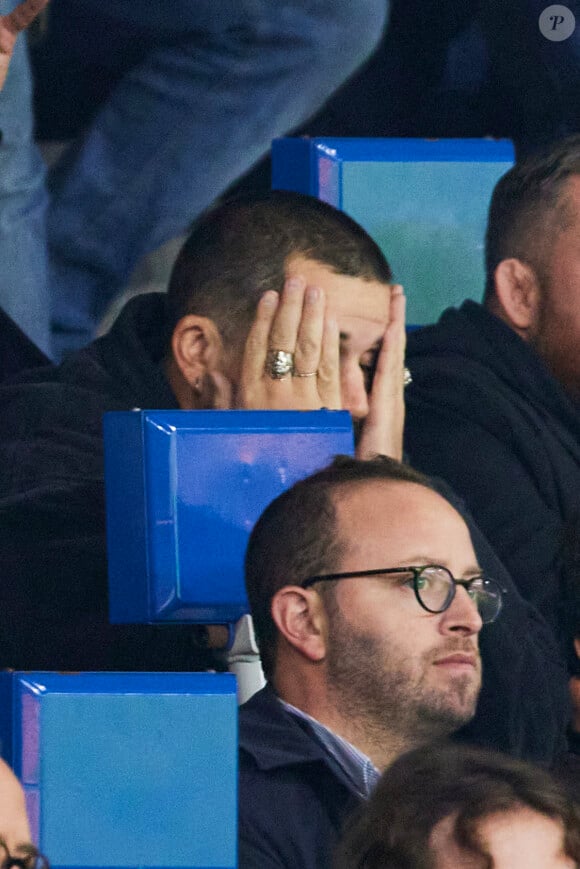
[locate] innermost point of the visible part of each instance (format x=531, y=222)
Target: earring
x=197, y=385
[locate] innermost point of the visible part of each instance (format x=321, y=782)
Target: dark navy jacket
x=293, y=798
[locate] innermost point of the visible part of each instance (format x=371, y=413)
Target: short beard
x=547, y=337
x=382, y=702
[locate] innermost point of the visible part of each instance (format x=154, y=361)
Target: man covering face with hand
x=275, y=301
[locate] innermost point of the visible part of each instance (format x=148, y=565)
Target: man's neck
x=379, y=744
x=374, y=740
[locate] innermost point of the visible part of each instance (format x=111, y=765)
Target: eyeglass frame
x=416, y=571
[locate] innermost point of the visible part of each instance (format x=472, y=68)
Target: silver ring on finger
x=407, y=377
x=306, y=374
x=279, y=363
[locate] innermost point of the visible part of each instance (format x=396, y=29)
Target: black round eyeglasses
x=434, y=587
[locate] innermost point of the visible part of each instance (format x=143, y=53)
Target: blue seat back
x=126, y=769
x=423, y=201
x=184, y=489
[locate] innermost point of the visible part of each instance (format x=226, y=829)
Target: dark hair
x=239, y=250
x=434, y=782
x=295, y=537
x=528, y=205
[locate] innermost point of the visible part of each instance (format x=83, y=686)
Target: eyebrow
x=420, y=560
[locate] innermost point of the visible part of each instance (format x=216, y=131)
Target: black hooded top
x=484, y=413
x=53, y=575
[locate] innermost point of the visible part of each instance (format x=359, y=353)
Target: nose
x=353, y=391
x=462, y=617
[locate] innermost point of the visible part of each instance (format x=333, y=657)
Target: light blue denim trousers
x=225, y=77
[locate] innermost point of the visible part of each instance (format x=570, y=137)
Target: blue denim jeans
x=219, y=80
x=24, y=292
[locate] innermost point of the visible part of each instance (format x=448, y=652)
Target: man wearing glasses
x=368, y=600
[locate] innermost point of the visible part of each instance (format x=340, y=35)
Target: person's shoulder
x=50, y=437
x=469, y=330
x=272, y=736
x=51, y=412
x=269, y=736
x=73, y=395
x=466, y=371
x=290, y=815
x=279, y=756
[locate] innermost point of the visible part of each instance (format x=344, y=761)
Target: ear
x=195, y=370
x=577, y=646
x=517, y=291
x=195, y=347
x=300, y=618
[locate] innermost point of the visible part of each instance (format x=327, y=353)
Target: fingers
x=310, y=332
x=292, y=322
x=257, y=343
x=4, y=63
x=10, y=26
x=23, y=15
x=295, y=322
x=286, y=325
x=397, y=307
x=383, y=428
x=391, y=359
x=329, y=366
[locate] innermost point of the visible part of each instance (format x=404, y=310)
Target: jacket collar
x=127, y=361
x=276, y=739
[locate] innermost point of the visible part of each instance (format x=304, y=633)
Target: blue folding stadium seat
x=184, y=489
x=126, y=770
x=423, y=201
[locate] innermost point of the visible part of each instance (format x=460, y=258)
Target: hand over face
x=299, y=323
x=308, y=322
x=13, y=24
x=382, y=430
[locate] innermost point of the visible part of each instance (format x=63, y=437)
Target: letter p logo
x=557, y=23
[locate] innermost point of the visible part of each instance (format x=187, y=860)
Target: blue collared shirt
x=359, y=768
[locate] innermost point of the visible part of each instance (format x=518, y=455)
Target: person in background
x=493, y=407
x=446, y=806
x=164, y=104
x=276, y=301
